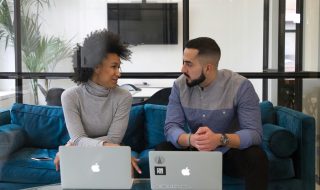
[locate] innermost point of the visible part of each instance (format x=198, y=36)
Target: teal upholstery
x=4, y=116
x=134, y=136
x=44, y=125
x=38, y=130
x=154, y=123
x=268, y=114
x=19, y=167
x=12, y=138
x=281, y=141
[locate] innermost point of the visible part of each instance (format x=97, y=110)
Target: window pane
x=237, y=26
x=70, y=21
x=291, y=17
x=7, y=93
x=311, y=36
x=290, y=44
x=32, y=93
x=310, y=105
x=7, y=57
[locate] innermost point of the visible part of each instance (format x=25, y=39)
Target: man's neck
x=209, y=79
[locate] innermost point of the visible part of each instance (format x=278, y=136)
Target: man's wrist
x=224, y=140
x=189, y=140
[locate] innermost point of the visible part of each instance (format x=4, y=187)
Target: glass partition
x=311, y=37
x=7, y=93
x=31, y=96
x=311, y=106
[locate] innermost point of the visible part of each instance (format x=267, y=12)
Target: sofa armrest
x=4, y=116
x=12, y=137
x=303, y=127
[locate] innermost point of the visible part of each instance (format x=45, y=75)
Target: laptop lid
x=95, y=167
x=185, y=170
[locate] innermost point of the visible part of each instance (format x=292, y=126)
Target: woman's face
x=107, y=73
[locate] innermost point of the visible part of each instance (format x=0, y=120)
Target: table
x=138, y=184
x=144, y=94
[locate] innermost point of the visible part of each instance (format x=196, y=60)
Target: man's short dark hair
x=206, y=47
x=96, y=46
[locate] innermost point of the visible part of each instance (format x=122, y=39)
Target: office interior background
x=276, y=44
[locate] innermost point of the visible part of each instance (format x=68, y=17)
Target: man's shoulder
x=181, y=80
x=228, y=74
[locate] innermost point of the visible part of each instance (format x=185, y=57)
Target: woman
x=97, y=111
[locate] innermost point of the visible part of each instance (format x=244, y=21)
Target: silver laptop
x=95, y=167
x=185, y=170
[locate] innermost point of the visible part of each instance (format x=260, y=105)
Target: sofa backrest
x=44, y=125
x=268, y=113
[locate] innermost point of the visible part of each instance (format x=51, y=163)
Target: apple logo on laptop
x=95, y=168
x=185, y=171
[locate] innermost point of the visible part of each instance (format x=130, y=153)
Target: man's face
x=192, y=68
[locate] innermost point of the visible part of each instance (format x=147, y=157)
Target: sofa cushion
x=268, y=114
x=134, y=136
x=12, y=138
x=279, y=168
x=281, y=141
x=144, y=163
x=44, y=125
x=19, y=167
x=4, y=116
x=154, y=123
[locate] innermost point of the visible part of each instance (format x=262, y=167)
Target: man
x=222, y=111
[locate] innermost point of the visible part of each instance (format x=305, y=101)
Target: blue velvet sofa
x=35, y=131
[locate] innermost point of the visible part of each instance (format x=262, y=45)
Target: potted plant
x=40, y=53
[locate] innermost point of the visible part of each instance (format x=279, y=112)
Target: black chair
x=53, y=95
x=161, y=97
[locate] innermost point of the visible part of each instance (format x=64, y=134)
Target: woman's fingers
x=57, y=162
x=134, y=163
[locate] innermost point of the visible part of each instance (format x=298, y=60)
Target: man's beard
x=195, y=81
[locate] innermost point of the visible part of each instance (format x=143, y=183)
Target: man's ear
x=209, y=67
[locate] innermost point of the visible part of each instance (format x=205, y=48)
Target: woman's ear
x=97, y=68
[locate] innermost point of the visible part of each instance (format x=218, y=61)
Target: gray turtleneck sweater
x=95, y=114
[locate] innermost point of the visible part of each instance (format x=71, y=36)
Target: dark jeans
x=251, y=164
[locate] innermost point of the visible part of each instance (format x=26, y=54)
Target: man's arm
x=175, y=118
x=249, y=116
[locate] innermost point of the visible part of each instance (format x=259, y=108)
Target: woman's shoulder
x=120, y=92
x=72, y=91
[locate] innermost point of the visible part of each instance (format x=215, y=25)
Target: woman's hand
x=57, y=158
x=134, y=163
x=109, y=144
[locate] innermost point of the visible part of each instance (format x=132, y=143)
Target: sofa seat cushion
x=19, y=167
x=12, y=138
x=154, y=124
x=232, y=180
x=134, y=136
x=44, y=125
x=144, y=163
x=279, y=168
